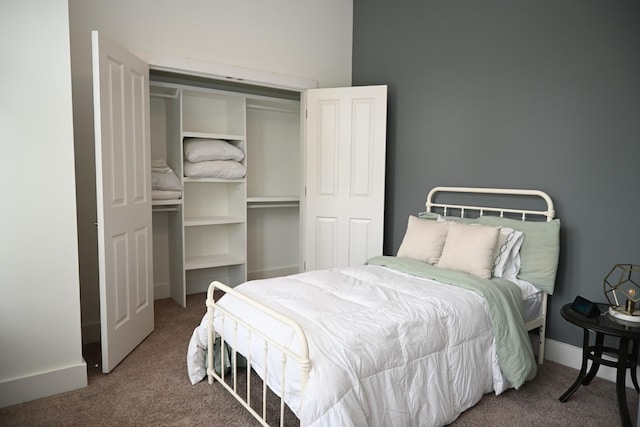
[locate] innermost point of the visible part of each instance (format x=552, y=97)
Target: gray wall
x=540, y=94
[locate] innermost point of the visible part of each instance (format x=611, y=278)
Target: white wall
x=40, y=342
x=304, y=38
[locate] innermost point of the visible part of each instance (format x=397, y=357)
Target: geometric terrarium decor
x=622, y=289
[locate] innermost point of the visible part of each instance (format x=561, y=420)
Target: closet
x=225, y=229
x=311, y=194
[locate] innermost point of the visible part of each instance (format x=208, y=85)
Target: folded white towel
x=159, y=165
x=165, y=181
x=223, y=169
x=163, y=177
x=165, y=195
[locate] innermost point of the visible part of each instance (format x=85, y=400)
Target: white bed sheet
x=386, y=348
x=532, y=306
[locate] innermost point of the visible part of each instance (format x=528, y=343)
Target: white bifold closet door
x=123, y=185
x=345, y=175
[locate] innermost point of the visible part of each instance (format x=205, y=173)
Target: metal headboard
x=539, y=322
x=549, y=212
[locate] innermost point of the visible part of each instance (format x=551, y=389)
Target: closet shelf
x=273, y=199
x=164, y=209
x=174, y=202
x=212, y=220
x=163, y=92
x=214, y=260
x=225, y=136
x=223, y=181
x=276, y=109
x=273, y=202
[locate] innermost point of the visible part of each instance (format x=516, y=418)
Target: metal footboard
x=301, y=358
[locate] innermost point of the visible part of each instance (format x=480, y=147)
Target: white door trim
x=217, y=71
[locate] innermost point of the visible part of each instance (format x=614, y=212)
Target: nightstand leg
x=597, y=352
x=583, y=369
x=634, y=357
x=623, y=354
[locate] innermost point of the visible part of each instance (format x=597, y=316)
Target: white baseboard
x=43, y=384
x=161, y=290
x=196, y=284
x=571, y=356
x=274, y=272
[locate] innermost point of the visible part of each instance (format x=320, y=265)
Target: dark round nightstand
x=621, y=358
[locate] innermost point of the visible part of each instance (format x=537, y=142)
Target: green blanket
x=504, y=302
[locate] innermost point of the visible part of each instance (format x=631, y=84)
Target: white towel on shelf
x=165, y=195
x=159, y=165
x=163, y=177
x=223, y=169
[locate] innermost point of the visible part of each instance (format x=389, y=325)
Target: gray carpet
x=150, y=388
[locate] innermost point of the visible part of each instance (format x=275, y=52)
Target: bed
x=412, y=339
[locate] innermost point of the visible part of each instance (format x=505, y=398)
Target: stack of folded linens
x=165, y=184
x=212, y=158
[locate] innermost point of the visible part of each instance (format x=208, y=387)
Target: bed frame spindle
x=301, y=358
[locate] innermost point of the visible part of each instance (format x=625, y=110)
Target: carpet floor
x=150, y=388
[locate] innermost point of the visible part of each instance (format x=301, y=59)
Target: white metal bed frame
x=302, y=357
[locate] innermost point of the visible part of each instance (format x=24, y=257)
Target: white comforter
x=386, y=348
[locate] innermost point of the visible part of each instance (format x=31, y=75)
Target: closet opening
x=224, y=224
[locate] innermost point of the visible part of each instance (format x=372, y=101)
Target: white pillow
x=201, y=150
x=507, y=261
x=224, y=169
x=470, y=248
x=423, y=240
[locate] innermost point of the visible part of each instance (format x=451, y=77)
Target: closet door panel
x=143, y=252
x=123, y=190
x=328, y=146
x=362, y=166
x=325, y=245
x=345, y=167
x=141, y=136
x=119, y=251
x=359, y=232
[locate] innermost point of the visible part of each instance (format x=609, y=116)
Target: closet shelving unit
x=215, y=209
x=227, y=230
